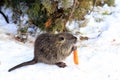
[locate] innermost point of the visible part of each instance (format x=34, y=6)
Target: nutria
x=51, y=49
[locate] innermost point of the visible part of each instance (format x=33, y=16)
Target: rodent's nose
x=75, y=39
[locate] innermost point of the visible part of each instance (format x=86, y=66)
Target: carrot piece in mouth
x=75, y=57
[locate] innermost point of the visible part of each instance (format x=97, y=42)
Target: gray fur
x=51, y=49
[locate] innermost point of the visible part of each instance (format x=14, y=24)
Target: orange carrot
x=75, y=57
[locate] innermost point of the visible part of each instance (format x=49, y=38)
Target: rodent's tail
x=23, y=64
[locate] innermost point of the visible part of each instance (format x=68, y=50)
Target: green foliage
x=2, y=2
x=82, y=9
x=57, y=11
x=106, y=13
x=37, y=14
x=110, y=2
x=23, y=30
x=102, y=2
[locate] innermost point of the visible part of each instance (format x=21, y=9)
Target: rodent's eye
x=61, y=38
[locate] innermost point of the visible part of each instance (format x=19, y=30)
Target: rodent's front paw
x=74, y=48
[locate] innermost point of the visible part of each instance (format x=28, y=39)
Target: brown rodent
x=51, y=49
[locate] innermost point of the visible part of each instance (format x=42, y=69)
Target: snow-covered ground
x=98, y=58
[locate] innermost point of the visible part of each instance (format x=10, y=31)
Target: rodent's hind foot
x=61, y=64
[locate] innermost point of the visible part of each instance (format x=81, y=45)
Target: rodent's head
x=66, y=38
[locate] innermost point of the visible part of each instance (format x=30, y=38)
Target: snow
x=98, y=57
